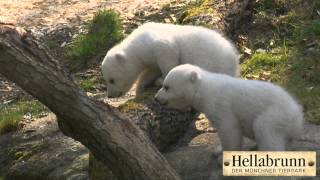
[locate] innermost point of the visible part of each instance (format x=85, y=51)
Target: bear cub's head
x=118, y=73
x=180, y=87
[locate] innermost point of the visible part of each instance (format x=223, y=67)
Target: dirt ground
x=58, y=21
x=63, y=19
x=51, y=13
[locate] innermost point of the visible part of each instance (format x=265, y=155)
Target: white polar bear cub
x=153, y=49
x=258, y=110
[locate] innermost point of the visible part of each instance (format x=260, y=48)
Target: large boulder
x=41, y=151
x=163, y=126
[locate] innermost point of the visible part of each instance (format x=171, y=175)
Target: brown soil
x=56, y=22
x=51, y=13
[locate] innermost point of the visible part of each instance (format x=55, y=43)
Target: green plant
x=304, y=72
x=275, y=4
x=265, y=66
x=292, y=59
x=196, y=8
x=312, y=29
x=88, y=84
x=103, y=32
x=309, y=96
x=306, y=61
x=12, y=114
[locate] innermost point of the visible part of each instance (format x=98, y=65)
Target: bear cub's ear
x=194, y=76
x=120, y=56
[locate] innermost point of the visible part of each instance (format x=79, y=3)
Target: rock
x=97, y=170
x=261, y=50
x=198, y=159
x=208, y=139
x=309, y=51
x=167, y=20
x=247, y=51
x=163, y=126
x=310, y=140
x=63, y=44
x=202, y=124
x=41, y=151
x=194, y=162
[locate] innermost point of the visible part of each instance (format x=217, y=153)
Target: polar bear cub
x=258, y=110
x=153, y=49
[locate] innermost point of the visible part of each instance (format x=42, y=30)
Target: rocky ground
x=40, y=151
x=55, y=23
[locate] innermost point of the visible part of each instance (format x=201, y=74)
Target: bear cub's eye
x=111, y=81
x=166, y=88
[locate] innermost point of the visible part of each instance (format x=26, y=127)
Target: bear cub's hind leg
x=268, y=136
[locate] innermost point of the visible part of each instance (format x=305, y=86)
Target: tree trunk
x=112, y=139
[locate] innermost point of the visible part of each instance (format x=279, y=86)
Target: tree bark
x=113, y=139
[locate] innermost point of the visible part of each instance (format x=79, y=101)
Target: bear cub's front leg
x=146, y=79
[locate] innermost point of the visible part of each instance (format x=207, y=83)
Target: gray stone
x=44, y=153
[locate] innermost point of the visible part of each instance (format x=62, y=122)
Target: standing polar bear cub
x=255, y=109
x=153, y=49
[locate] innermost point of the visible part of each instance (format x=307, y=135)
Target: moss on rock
x=163, y=126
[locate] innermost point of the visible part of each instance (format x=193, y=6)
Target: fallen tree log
x=113, y=139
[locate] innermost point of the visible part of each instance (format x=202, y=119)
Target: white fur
x=153, y=49
x=258, y=110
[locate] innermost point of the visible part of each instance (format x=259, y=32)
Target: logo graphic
x=269, y=163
